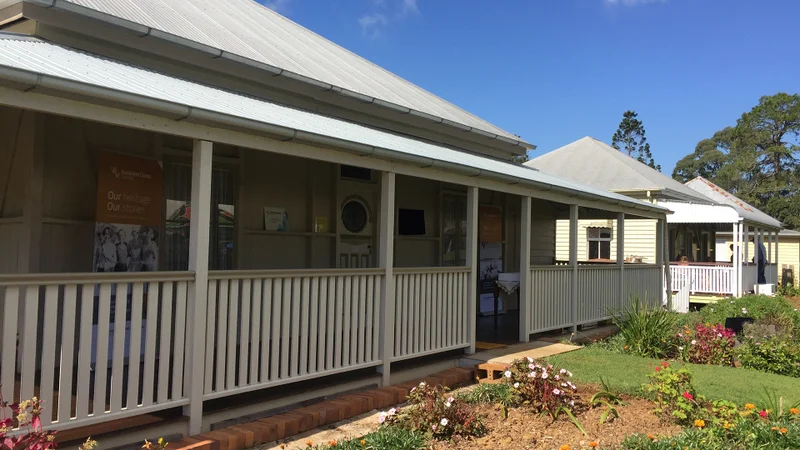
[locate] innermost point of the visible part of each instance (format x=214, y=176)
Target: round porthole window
x=354, y=216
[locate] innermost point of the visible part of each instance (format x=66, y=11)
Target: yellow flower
x=309, y=443
x=363, y=442
x=783, y=430
x=794, y=411
x=593, y=444
x=749, y=406
x=565, y=447
x=650, y=436
x=726, y=425
x=699, y=423
x=774, y=428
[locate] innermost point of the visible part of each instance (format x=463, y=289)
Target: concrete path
x=533, y=349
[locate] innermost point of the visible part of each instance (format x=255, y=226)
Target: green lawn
x=627, y=373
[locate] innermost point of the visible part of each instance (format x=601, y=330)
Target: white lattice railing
x=267, y=328
x=430, y=310
x=94, y=347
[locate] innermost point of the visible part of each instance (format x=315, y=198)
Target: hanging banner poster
x=128, y=214
x=490, y=223
x=127, y=225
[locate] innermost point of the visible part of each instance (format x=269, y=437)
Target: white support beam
x=746, y=242
x=386, y=262
x=524, y=268
x=737, y=259
x=779, y=269
x=665, y=282
x=573, y=262
x=472, y=263
x=200, y=222
x=30, y=147
x=621, y=258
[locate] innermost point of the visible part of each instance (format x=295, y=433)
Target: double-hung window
x=599, y=243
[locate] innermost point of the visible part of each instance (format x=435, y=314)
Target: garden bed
x=524, y=429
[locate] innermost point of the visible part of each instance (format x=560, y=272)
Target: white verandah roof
x=695, y=213
x=32, y=63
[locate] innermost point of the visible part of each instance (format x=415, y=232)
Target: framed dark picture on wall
x=411, y=222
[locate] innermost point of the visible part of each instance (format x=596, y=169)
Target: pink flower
x=544, y=375
x=763, y=414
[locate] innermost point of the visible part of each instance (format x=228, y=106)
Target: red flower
x=658, y=368
x=664, y=364
x=763, y=414
x=688, y=396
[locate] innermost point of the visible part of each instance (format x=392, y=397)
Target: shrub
x=394, y=438
x=499, y=393
x=674, y=394
x=435, y=414
x=25, y=416
x=541, y=386
x=707, y=344
x=647, y=331
x=753, y=306
x=771, y=354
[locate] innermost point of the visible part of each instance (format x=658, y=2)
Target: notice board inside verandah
x=490, y=255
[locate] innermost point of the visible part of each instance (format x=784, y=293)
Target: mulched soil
x=795, y=301
x=526, y=430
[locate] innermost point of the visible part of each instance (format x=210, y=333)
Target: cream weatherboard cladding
x=639, y=238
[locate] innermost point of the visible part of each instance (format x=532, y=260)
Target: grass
x=627, y=373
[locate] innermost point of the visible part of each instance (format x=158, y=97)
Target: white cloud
x=384, y=13
x=280, y=6
x=371, y=24
x=632, y=2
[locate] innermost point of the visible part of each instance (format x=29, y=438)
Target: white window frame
x=594, y=236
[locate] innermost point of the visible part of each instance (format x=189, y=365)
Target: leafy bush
x=647, y=331
x=385, y=438
x=707, y=344
x=744, y=433
x=771, y=354
x=435, y=414
x=753, y=306
x=541, y=386
x=497, y=393
x=25, y=416
x=674, y=394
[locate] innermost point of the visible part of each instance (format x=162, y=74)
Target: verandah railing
x=94, y=347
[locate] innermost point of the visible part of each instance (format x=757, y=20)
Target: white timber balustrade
x=431, y=308
x=715, y=280
x=644, y=281
x=94, y=347
x=598, y=292
x=268, y=328
x=550, y=293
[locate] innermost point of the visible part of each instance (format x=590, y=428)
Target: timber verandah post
x=524, y=268
x=472, y=263
x=621, y=257
x=200, y=222
x=386, y=262
x=573, y=262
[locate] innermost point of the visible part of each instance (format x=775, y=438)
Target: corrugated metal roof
x=590, y=161
x=696, y=213
x=748, y=212
x=38, y=57
x=250, y=30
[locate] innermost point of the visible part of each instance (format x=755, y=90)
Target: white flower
x=443, y=422
x=413, y=389
x=382, y=417
x=451, y=399
x=569, y=374
x=556, y=377
x=393, y=411
x=564, y=385
x=544, y=375
x=680, y=348
x=719, y=334
x=694, y=342
x=572, y=403
x=447, y=404
x=516, y=385
x=556, y=391
x=530, y=360
x=562, y=371
x=421, y=384
x=532, y=375
x=531, y=366
x=508, y=374
x=744, y=310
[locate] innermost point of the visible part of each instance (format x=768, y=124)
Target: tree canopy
x=756, y=160
x=630, y=138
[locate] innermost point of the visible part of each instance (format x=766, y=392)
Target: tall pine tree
x=630, y=139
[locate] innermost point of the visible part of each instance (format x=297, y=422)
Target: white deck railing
x=550, y=295
x=267, y=328
x=598, y=292
x=643, y=281
x=430, y=311
x=704, y=279
x=94, y=347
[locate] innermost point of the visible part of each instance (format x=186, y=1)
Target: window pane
x=593, y=250
x=605, y=249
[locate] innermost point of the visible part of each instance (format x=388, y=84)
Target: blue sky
x=553, y=71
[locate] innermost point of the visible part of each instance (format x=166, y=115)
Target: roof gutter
x=147, y=32
x=29, y=81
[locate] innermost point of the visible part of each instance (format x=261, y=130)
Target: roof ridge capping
x=146, y=31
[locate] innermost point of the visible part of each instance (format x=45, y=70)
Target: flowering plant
x=25, y=416
x=543, y=387
x=435, y=413
x=707, y=344
x=674, y=394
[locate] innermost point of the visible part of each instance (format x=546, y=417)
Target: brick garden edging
x=247, y=435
